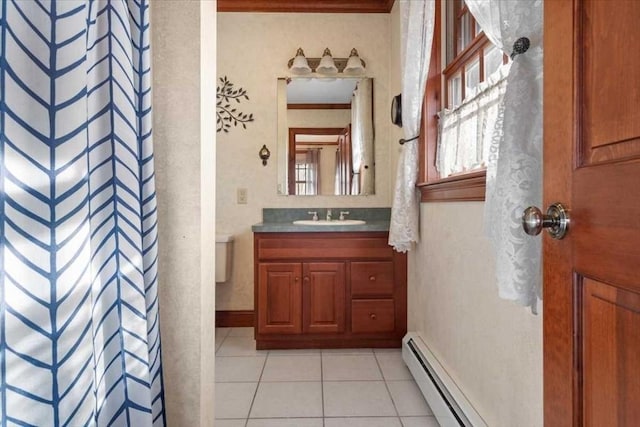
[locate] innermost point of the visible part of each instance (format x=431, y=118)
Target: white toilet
x=224, y=255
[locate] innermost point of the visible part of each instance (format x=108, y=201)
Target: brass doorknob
x=556, y=221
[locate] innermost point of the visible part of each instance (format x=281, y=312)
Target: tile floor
x=313, y=388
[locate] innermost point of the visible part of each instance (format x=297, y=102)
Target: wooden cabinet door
x=279, y=298
x=592, y=164
x=323, y=297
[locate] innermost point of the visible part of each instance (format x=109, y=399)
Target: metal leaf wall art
x=226, y=111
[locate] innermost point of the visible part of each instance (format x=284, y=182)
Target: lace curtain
x=465, y=132
x=417, y=22
x=514, y=171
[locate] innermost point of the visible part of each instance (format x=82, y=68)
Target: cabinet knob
x=306, y=278
x=373, y=316
x=297, y=279
x=372, y=278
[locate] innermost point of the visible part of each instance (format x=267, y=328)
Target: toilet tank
x=224, y=257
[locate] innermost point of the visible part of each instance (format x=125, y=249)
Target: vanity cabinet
x=301, y=297
x=329, y=290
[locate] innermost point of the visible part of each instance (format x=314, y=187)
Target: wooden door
x=592, y=164
x=323, y=297
x=279, y=298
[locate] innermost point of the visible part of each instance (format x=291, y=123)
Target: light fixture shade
x=354, y=65
x=327, y=67
x=299, y=64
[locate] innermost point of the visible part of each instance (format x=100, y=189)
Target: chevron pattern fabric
x=79, y=333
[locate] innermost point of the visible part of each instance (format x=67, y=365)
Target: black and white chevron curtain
x=79, y=333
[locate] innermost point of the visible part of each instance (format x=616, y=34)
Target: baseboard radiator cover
x=449, y=405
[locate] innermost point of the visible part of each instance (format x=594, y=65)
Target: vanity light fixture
x=327, y=65
x=299, y=64
x=264, y=154
x=355, y=65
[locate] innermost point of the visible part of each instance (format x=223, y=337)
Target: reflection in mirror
x=325, y=136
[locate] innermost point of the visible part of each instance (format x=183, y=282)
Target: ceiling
x=311, y=6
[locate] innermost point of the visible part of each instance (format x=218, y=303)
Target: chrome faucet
x=328, y=214
x=342, y=215
x=315, y=215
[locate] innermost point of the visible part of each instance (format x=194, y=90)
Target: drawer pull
x=373, y=316
x=372, y=278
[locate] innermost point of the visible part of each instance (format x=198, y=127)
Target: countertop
x=281, y=220
x=290, y=227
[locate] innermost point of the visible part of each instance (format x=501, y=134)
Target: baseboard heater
x=449, y=405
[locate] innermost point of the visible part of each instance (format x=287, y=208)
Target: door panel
x=324, y=297
x=606, y=211
x=592, y=164
x=611, y=113
x=611, y=346
x=279, y=298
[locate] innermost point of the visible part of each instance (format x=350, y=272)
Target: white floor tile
x=419, y=422
x=347, y=351
x=288, y=399
x=348, y=367
x=292, y=368
x=239, y=368
x=222, y=332
x=408, y=399
x=393, y=367
x=241, y=332
x=229, y=423
x=295, y=351
x=362, y=422
x=233, y=400
x=219, y=341
x=240, y=346
x=387, y=350
x=285, y=422
x=357, y=398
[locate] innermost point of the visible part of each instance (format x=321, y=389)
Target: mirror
x=325, y=136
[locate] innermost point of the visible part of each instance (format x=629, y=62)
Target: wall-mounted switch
x=242, y=196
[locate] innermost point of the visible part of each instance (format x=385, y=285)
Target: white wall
x=185, y=180
x=253, y=50
x=492, y=348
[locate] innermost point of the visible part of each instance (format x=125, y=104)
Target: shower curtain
x=79, y=334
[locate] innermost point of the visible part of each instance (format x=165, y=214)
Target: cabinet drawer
x=372, y=315
x=371, y=278
x=317, y=246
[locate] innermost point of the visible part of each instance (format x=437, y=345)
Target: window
x=306, y=171
x=463, y=67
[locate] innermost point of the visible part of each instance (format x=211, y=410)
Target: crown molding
x=297, y=6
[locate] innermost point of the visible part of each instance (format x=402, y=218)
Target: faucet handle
x=315, y=215
x=342, y=214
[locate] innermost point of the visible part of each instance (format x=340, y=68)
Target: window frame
x=469, y=186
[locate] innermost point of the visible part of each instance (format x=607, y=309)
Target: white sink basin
x=323, y=222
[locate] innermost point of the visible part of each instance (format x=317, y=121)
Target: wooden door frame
x=561, y=385
x=291, y=150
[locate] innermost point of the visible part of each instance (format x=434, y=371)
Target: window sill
x=469, y=187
